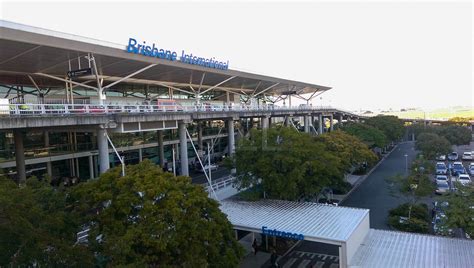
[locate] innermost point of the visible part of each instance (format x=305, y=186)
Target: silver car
x=442, y=187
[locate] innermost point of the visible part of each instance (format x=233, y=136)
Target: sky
x=374, y=55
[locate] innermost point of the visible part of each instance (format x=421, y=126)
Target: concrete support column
x=91, y=167
x=140, y=155
x=104, y=162
x=287, y=121
x=183, y=148
x=161, y=149
x=331, y=123
x=264, y=122
x=200, y=144
x=230, y=136
x=340, y=120
x=306, y=123
x=320, y=121
x=49, y=169
x=19, y=156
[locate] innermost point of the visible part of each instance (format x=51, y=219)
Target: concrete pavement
x=374, y=192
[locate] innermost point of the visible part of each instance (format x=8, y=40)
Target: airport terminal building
x=73, y=107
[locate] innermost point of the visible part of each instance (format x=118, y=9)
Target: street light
x=406, y=164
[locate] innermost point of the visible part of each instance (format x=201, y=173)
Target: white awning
x=317, y=222
x=398, y=249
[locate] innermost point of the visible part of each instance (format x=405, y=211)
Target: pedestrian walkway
x=252, y=260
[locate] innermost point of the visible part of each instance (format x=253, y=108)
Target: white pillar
x=49, y=169
x=19, y=156
x=104, y=162
x=264, y=122
x=183, y=148
x=230, y=136
x=140, y=155
x=306, y=124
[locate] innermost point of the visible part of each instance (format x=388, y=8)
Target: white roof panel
x=314, y=221
x=398, y=249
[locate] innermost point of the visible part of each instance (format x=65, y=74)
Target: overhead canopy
x=26, y=50
x=317, y=222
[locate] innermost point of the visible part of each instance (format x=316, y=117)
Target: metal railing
x=220, y=183
x=79, y=109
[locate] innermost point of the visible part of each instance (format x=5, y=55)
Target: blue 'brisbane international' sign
x=275, y=232
x=154, y=51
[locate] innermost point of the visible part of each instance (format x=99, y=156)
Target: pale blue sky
x=374, y=55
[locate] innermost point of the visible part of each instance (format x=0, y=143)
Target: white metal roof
x=398, y=249
x=316, y=222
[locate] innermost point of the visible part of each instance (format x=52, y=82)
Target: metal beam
x=67, y=81
x=128, y=76
x=175, y=88
x=202, y=80
x=268, y=88
x=218, y=84
x=255, y=90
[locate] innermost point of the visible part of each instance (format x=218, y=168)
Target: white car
x=467, y=156
x=441, y=178
x=442, y=187
x=207, y=167
x=441, y=157
x=471, y=169
x=441, y=168
x=463, y=179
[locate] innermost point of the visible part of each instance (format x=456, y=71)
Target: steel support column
x=331, y=123
x=49, y=169
x=102, y=144
x=320, y=121
x=230, y=136
x=183, y=149
x=91, y=167
x=19, y=156
x=161, y=148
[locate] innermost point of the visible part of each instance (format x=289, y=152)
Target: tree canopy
x=36, y=227
x=291, y=165
x=151, y=218
x=390, y=125
x=370, y=135
x=431, y=145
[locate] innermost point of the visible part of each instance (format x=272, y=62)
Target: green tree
x=456, y=135
x=460, y=212
x=287, y=164
x=370, y=135
x=36, y=227
x=390, y=125
x=432, y=145
x=151, y=218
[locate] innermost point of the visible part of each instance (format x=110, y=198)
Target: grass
x=436, y=114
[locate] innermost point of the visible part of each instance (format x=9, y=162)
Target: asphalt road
x=374, y=193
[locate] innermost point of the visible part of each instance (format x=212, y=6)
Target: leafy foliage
x=291, y=165
x=456, y=135
x=151, y=218
x=36, y=227
x=370, y=135
x=432, y=145
x=460, y=212
x=390, y=125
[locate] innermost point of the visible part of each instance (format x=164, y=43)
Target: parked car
x=441, y=157
x=471, y=168
x=439, y=224
x=467, y=156
x=206, y=167
x=463, y=179
x=457, y=169
x=442, y=187
x=441, y=178
x=441, y=168
x=453, y=156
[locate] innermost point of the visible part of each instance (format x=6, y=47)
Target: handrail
x=79, y=109
x=220, y=184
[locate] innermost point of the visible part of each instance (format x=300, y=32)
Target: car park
x=441, y=168
x=441, y=157
x=442, y=187
x=467, y=156
x=453, y=156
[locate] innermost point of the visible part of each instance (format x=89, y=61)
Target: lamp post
x=406, y=164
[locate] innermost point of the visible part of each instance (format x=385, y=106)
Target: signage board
x=80, y=72
x=275, y=232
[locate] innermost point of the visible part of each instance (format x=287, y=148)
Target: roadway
x=200, y=178
x=374, y=192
